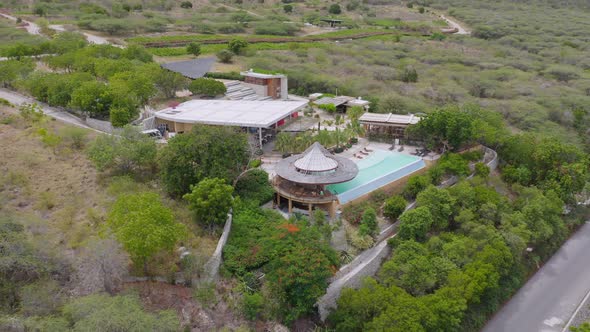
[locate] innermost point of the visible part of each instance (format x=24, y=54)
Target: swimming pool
x=377, y=170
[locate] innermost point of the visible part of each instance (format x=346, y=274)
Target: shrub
x=368, y=222
x=225, y=56
x=394, y=207
x=409, y=75
x=421, y=10
x=186, y=4
x=330, y=108
x=276, y=29
x=207, y=87
x=225, y=76
x=482, y=170
x=236, y=46
x=254, y=185
x=288, y=8
x=335, y=9
x=415, y=185
x=75, y=137
x=253, y=304
x=194, y=49
x=120, y=117
x=210, y=201
x=415, y=224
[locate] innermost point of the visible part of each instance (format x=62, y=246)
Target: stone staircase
x=237, y=91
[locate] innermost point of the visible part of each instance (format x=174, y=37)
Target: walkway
x=548, y=300
x=17, y=99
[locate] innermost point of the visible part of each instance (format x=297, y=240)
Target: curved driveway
x=549, y=299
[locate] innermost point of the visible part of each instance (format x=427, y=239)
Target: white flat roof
x=260, y=75
x=243, y=113
x=390, y=118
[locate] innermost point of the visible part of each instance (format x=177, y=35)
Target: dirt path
x=455, y=25
x=239, y=9
x=34, y=29
x=31, y=27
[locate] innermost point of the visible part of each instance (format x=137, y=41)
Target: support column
x=333, y=210
x=310, y=207
x=260, y=136
x=290, y=206
x=278, y=200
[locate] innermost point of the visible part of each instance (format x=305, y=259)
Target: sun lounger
x=363, y=152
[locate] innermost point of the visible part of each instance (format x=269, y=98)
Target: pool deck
x=271, y=158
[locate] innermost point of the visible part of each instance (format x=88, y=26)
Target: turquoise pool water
x=376, y=170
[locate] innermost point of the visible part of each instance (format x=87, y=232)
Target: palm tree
x=339, y=135
x=284, y=143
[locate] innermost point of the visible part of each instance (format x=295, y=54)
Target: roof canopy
x=316, y=165
x=314, y=160
x=242, y=113
x=191, y=68
x=389, y=119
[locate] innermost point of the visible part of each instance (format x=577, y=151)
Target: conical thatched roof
x=316, y=165
x=316, y=159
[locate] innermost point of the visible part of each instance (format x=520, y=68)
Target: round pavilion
x=301, y=179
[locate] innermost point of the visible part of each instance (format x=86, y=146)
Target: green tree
x=144, y=226
x=253, y=304
x=368, y=224
x=410, y=268
x=584, y=327
x=207, y=87
x=288, y=9
x=440, y=203
x=210, y=201
x=415, y=224
x=169, y=82
x=394, y=207
x=120, y=117
x=194, y=49
x=335, y=9
x=225, y=56
x=254, y=185
x=202, y=153
x=128, y=153
x=482, y=170
x=103, y=313
x=298, y=273
x=13, y=70
x=415, y=185
x=92, y=97
x=446, y=129
x=237, y=46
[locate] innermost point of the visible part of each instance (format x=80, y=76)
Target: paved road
x=18, y=99
x=548, y=300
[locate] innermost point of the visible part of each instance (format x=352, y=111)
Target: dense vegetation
x=464, y=250
x=100, y=81
x=294, y=255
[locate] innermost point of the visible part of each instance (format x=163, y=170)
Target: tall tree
x=210, y=201
x=202, y=153
x=144, y=226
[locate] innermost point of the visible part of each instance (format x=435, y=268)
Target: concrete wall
x=213, y=264
x=104, y=126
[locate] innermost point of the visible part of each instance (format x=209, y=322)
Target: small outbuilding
x=389, y=125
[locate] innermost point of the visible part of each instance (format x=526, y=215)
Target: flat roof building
x=220, y=112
